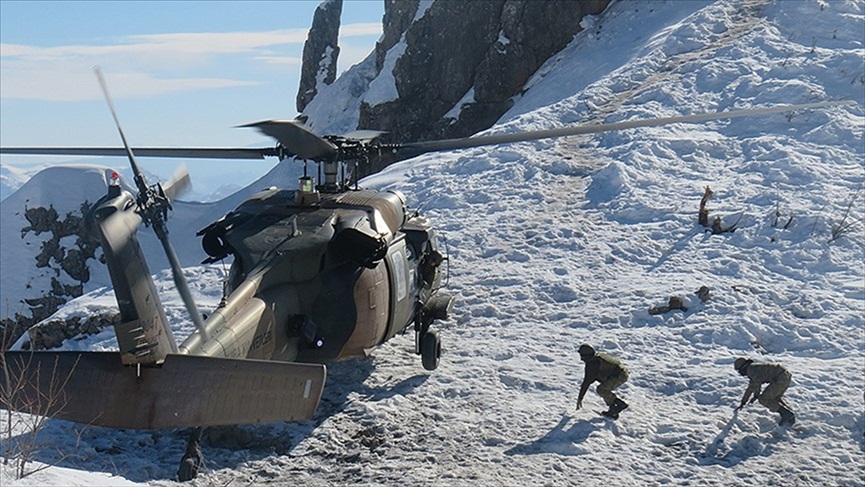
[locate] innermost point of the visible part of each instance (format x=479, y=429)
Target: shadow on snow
x=562, y=439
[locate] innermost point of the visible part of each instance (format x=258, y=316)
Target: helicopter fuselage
x=317, y=278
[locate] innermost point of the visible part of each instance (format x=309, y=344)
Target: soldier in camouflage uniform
x=778, y=378
x=607, y=370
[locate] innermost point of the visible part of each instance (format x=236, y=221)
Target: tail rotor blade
x=180, y=182
x=126, y=146
x=181, y=284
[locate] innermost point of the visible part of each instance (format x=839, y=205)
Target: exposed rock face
x=64, y=252
x=452, y=68
x=52, y=334
x=398, y=16
x=320, y=52
x=476, y=54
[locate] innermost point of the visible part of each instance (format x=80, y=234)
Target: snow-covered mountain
x=12, y=178
x=561, y=242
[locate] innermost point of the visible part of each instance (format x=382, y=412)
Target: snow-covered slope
x=556, y=243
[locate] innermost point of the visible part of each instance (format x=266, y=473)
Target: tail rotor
x=154, y=203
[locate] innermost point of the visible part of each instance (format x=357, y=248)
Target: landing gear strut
x=191, y=460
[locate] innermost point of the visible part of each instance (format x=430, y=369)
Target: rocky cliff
x=449, y=68
x=320, y=52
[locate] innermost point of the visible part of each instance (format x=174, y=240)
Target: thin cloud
x=360, y=29
x=281, y=60
x=202, y=44
x=152, y=64
x=79, y=85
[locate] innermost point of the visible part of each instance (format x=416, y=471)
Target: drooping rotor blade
x=297, y=139
x=186, y=391
x=167, y=152
x=417, y=148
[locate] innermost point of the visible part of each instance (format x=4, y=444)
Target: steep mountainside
x=445, y=69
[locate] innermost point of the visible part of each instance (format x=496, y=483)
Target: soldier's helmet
x=586, y=350
x=740, y=362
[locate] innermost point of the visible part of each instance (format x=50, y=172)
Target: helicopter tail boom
x=185, y=391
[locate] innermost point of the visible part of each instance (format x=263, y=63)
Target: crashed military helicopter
x=320, y=273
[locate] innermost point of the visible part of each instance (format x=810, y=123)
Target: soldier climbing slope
x=778, y=378
x=607, y=370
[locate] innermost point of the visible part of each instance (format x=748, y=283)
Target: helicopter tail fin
x=185, y=391
x=144, y=335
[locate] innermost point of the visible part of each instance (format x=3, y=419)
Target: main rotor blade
x=296, y=138
x=417, y=148
x=364, y=135
x=167, y=152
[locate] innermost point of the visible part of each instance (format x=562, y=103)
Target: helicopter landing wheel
x=191, y=461
x=188, y=468
x=430, y=350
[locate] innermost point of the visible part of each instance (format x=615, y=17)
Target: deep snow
x=559, y=242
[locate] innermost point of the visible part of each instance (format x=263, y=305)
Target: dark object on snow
x=717, y=225
x=678, y=302
x=704, y=212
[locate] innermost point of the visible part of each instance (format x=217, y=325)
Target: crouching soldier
x=778, y=378
x=607, y=370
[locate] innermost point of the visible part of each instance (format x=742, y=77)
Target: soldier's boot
x=787, y=416
x=617, y=407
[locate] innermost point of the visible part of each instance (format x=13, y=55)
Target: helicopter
x=320, y=273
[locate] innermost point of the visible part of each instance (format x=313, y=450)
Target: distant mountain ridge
x=12, y=178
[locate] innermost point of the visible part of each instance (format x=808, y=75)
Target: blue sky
x=180, y=73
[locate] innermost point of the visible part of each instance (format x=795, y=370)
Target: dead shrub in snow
x=21, y=433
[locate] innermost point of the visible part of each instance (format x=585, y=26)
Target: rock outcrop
x=52, y=333
x=320, y=52
x=64, y=253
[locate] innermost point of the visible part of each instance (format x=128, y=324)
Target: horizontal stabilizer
x=185, y=391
